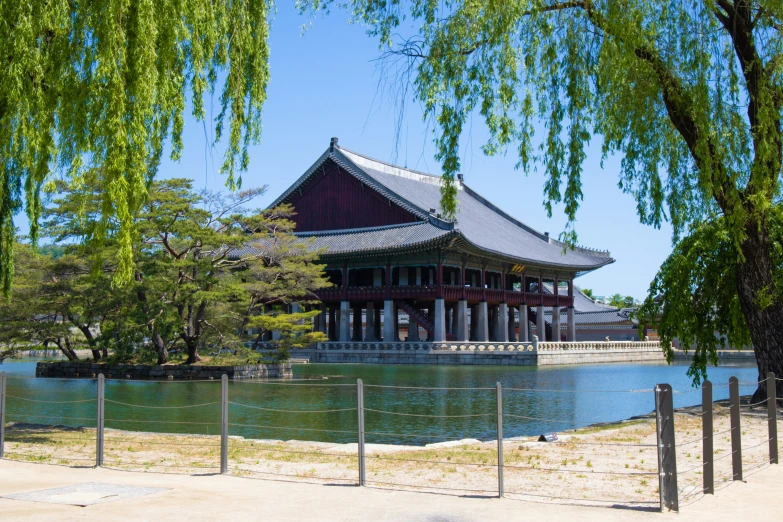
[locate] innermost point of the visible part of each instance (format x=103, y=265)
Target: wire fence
x=637, y=464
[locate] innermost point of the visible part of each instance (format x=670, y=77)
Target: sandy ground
x=613, y=465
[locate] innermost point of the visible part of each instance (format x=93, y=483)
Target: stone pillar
x=369, y=329
x=540, y=324
x=556, y=324
x=357, y=324
x=502, y=322
x=377, y=330
x=450, y=319
x=524, y=324
x=571, y=325
x=345, y=321
x=389, y=322
x=462, y=332
x=333, y=330
x=482, y=330
x=440, y=321
x=413, y=329
x=396, y=323
x=512, y=336
x=322, y=318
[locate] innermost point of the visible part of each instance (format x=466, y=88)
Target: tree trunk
x=193, y=356
x=754, y=279
x=160, y=346
x=65, y=348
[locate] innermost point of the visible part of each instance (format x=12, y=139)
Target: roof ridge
x=389, y=164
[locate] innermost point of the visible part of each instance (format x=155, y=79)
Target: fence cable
x=691, y=442
x=48, y=402
x=562, y=470
x=163, y=422
x=161, y=407
x=574, y=391
x=289, y=428
x=449, y=462
x=289, y=411
x=430, y=415
x=27, y=416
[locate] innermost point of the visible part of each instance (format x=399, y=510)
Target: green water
x=565, y=397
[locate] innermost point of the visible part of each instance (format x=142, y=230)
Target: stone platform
x=90, y=370
x=487, y=353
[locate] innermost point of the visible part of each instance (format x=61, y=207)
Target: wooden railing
x=450, y=292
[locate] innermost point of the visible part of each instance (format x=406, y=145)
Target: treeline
x=209, y=270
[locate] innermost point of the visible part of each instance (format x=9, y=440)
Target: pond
x=535, y=400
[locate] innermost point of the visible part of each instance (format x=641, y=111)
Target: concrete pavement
x=214, y=497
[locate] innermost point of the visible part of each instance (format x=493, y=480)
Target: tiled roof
x=479, y=222
x=617, y=316
x=377, y=238
x=367, y=240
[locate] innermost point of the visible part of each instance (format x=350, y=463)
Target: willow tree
x=103, y=84
x=688, y=92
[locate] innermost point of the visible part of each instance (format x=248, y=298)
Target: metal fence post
x=667, y=453
x=708, y=444
x=224, y=424
x=2, y=414
x=500, y=440
x=99, y=421
x=772, y=418
x=736, y=434
x=360, y=429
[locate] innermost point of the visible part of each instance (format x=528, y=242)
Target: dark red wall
x=333, y=199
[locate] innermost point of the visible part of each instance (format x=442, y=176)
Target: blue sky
x=325, y=83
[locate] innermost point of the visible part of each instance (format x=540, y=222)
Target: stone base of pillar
x=345, y=321
x=413, y=330
x=540, y=324
x=389, y=322
x=440, y=321
x=461, y=318
x=369, y=330
x=502, y=320
x=482, y=328
x=571, y=326
x=524, y=324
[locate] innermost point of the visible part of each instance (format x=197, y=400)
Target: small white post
x=224, y=424
x=99, y=421
x=2, y=414
x=500, y=440
x=360, y=433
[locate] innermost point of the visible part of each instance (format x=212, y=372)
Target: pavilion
x=388, y=249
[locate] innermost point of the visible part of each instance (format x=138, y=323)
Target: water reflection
x=556, y=404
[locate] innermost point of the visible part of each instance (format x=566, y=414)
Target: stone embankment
x=488, y=353
x=89, y=370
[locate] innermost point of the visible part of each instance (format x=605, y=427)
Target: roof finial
x=332, y=144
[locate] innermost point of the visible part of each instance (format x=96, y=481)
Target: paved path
x=213, y=497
